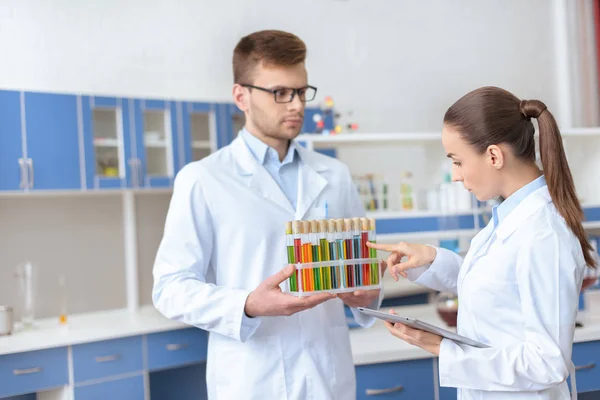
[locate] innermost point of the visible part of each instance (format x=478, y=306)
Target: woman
x=518, y=285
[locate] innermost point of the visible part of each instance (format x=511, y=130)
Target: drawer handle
x=377, y=392
x=27, y=371
x=587, y=366
x=112, y=357
x=175, y=347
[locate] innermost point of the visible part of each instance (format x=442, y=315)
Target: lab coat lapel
x=310, y=181
x=256, y=177
x=476, y=246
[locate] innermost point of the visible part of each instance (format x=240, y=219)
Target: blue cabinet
x=33, y=371
x=156, y=143
x=447, y=393
x=197, y=123
x=176, y=348
x=586, y=357
x=40, y=141
x=131, y=388
x=13, y=173
x=108, y=144
x=107, y=358
x=53, y=146
x=412, y=379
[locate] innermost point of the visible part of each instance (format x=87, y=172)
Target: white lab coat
x=520, y=296
x=224, y=234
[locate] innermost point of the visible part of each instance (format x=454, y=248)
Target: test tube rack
x=332, y=256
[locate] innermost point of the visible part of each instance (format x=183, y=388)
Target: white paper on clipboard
x=424, y=326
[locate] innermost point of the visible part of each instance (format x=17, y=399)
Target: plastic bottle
x=406, y=191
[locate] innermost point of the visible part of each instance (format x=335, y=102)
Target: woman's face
x=476, y=171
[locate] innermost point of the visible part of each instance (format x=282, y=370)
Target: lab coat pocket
x=251, y=370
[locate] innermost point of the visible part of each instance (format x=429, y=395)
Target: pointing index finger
x=382, y=246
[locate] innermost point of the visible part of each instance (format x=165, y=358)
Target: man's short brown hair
x=270, y=47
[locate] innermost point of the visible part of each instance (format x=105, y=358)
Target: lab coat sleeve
x=356, y=209
x=549, y=280
x=441, y=274
x=181, y=291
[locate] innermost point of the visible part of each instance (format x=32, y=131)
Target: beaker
x=26, y=279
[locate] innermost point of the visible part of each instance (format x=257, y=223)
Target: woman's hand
x=427, y=341
x=418, y=255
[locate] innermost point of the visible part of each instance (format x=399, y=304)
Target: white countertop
x=373, y=345
x=87, y=328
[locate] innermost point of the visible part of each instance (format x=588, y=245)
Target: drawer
x=586, y=357
x=396, y=380
x=107, y=358
x=33, y=370
x=175, y=348
x=121, y=389
x=447, y=393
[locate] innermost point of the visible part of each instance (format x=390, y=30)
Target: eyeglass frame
x=295, y=91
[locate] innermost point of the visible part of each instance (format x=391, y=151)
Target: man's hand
x=362, y=298
x=268, y=299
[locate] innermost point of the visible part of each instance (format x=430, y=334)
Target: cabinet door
x=12, y=161
x=198, y=131
x=156, y=141
x=447, y=393
x=412, y=379
x=53, y=141
x=107, y=143
x=119, y=389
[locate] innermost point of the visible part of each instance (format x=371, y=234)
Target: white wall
x=396, y=64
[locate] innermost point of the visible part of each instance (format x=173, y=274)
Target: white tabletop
x=372, y=345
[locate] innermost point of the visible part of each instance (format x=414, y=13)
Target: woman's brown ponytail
x=557, y=172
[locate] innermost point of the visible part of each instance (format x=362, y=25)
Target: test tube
x=298, y=255
x=332, y=253
x=291, y=256
x=307, y=256
x=364, y=238
x=349, y=253
x=357, y=251
x=341, y=251
x=316, y=256
x=373, y=252
x=324, y=252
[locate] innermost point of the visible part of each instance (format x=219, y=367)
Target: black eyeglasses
x=286, y=95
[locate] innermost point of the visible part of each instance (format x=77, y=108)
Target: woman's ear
x=495, y=156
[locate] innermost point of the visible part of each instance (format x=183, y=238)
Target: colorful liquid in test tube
x=291, y=254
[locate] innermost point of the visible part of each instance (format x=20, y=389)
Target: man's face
x=269, y=118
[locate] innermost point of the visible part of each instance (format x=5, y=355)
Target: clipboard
x=424, y=326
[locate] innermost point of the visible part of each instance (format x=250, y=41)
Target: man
x=219, y=265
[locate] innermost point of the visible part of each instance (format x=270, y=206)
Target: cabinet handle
x=112, y=357
x=31, y=178
x=134, y=174
x=175, y=347
x=27, y=371
x=23, y=173
x=587, y=366
x=377, y=392
x=139, y=172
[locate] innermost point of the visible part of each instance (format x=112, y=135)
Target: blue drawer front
x=107, y=358
x=174, y=348
x=586, y=357
x=448, y=393
x=121, y=389
x=398, y=380
x=32, y=371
